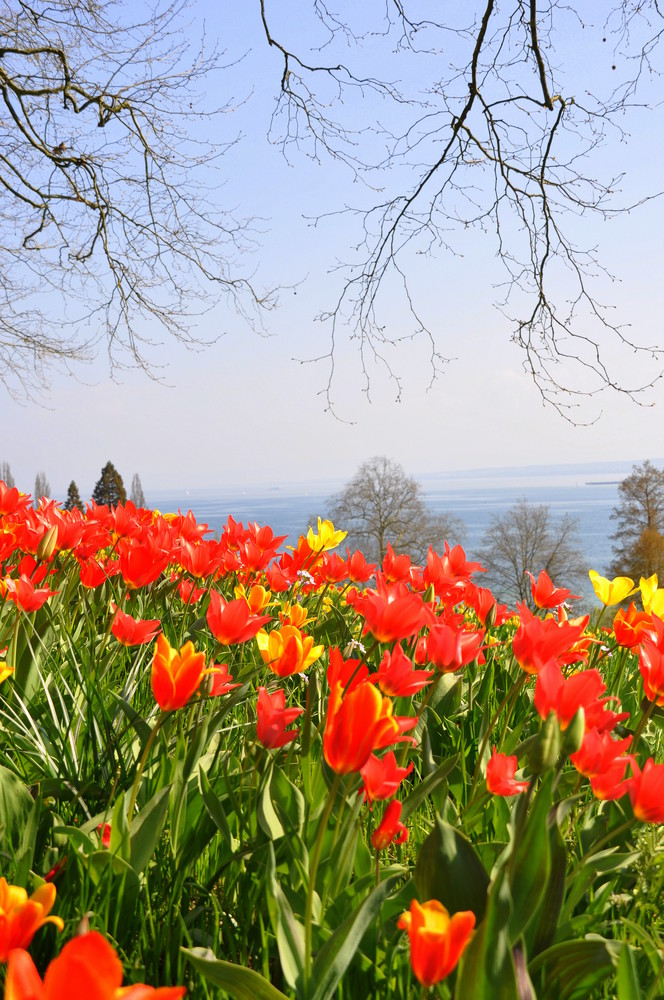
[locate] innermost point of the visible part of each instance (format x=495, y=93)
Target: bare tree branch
x=497, y=143
x=108, y=229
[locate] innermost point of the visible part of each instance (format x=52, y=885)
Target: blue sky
x=249, y=412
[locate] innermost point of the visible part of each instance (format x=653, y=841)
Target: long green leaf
x=448, y=869
x=287, y=930
x=239, y=982
x=336, y=954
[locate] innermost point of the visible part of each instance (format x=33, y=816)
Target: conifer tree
x=73, y=498
x=42, y=487
x=6, y=475
x=137, y=496
x=110, y=488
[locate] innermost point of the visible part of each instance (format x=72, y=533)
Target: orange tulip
x=436, y=939
x=175, y=676
x=358, y=723
x=21, y=918
x=87, y=968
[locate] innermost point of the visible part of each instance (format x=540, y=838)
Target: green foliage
x=109, y=488
x=247, y=870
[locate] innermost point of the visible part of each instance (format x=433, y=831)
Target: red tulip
x=132, y=631
x=437, y=940
x=87, y=968
x=500, y=771
x=390, y=829
x=273, y=717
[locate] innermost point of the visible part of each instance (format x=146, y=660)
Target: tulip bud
x=46, y=546
x=573, y=735
x=544, y=753
x=206, y=685
x=491, y=616
x=429, y=594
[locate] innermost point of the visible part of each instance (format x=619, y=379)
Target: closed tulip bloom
x=358, y=723
x=646, y=792
x=87, y=968
x=390, y=829
x=437, y=940
x=21, y=917
x=175, y=676
x=500, y=771
x=611, y=591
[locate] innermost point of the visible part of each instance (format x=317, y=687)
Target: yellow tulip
x=325, y=538
x=5, y=671
x=611, y=591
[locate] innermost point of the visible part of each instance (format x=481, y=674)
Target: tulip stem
x=642, y=725
x=512, y=692
x=142, y=762
x=311, y=888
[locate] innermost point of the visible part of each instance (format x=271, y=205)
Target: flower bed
x=242, y=771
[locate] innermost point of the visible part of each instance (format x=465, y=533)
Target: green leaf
x=267, y=817
x=627, y=980
x=119, y=844
x=571, y=970
x=288, y=802
x=287, y=930
x=146, y=829
x=214, y=807
x=16, y=804
x=448, y=869
x=543, y=932
x=24, y=856
x=487, y=971
x=426, y=787
x=529, y=865
x=239, y=982
x=336, y=954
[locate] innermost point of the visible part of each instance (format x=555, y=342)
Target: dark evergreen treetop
x=74, y=498
x=110, y=488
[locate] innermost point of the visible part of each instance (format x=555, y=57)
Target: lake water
x=587, y=492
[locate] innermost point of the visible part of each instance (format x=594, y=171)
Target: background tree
x=108, y=222
x=74, y=499
x=42, y=487
x=526, y=539
x=6, y=474
x=136, y=495
x=109, y=489
x=382, y=504
x=639, y=535
x=496, y=125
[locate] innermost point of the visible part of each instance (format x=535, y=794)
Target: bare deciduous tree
x=109, y=232
x=526, y=540
x=382, y=505
x=496, y=128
